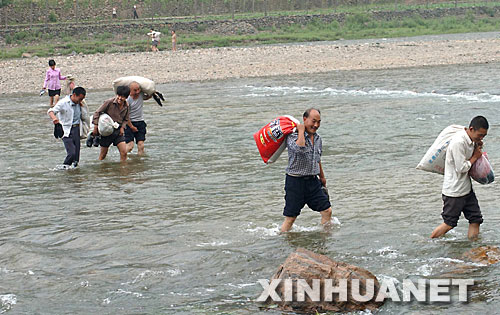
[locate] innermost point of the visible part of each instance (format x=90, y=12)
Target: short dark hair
x=79, y=91
x=479, y=122
x=52, y=63
x=308, y=111
x=123, y=90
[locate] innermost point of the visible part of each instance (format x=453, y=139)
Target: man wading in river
x=302, y=185
x=463, y=151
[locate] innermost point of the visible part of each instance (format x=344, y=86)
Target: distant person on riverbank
x=68, y=114
x=302, y=185
x=155, y=39
x=136, y=126
x=114, y=13
x=457, y=193
x=174, y=41
x=52, y=77
x=117, y=108
x=134, y=10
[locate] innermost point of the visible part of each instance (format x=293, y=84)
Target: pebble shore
x=98, y=71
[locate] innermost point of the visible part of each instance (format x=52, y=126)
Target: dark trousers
x=72, y=145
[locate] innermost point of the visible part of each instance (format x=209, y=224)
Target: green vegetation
x=356, y=26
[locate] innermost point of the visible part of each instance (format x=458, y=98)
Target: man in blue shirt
x=302, y=185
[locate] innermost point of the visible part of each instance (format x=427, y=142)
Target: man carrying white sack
x=463, y=151
x=136, y=126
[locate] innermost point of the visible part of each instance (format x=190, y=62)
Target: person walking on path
x=52, y=77
x=68, y=113
x=457, y=193
x=302, y=185
x=155, y=39
x=114, y=13
x=136, y=126
x=117, y=108
x=134, y=10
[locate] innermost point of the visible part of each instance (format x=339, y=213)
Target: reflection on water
x=191, y=226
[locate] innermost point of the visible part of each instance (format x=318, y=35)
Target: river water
x=191, y=227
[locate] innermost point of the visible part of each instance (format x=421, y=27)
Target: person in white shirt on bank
x=458, y=196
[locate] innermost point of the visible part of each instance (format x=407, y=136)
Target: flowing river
x=192, y=226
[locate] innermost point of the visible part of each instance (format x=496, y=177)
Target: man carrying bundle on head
x=136, y=126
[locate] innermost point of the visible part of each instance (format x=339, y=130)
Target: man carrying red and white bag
x=302, y=185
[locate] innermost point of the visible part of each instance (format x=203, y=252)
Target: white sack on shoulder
x=434, y=159
x=147, y=85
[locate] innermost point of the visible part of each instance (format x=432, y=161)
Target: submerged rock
x=307, y=265
x=487, y=255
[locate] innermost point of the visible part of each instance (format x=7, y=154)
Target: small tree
x=4, y=3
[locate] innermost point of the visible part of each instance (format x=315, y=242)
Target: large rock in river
x=487, y=255
x=307, y=265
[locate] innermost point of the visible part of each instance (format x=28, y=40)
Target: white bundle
x=106, y=125
x=147, y=85
x=434, y=159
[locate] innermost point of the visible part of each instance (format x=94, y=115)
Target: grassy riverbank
x=356, y=26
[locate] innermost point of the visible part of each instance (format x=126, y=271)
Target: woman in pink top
x=51, y=82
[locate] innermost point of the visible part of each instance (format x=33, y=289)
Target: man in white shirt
x=463, y=151
x=68, y=113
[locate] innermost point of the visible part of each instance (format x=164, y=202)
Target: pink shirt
x=53, y=77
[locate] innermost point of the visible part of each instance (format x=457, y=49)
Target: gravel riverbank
x=26, y=75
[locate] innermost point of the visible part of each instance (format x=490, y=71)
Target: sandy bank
x=98, y=71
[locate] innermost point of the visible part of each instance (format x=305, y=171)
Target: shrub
x=52, y=17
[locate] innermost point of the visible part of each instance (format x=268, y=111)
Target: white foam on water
x=263, y=231
x=387, y=252
x=63, y=167
x=8, y=300
x=298, y=228
x=146, y=274
x=136, y=294
x=456, y=261
x=285, y=90
x=213, y=244
x=335, y=221
x=5, y=270
x=174, y=272
x=241, y=285
x=425, y=270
